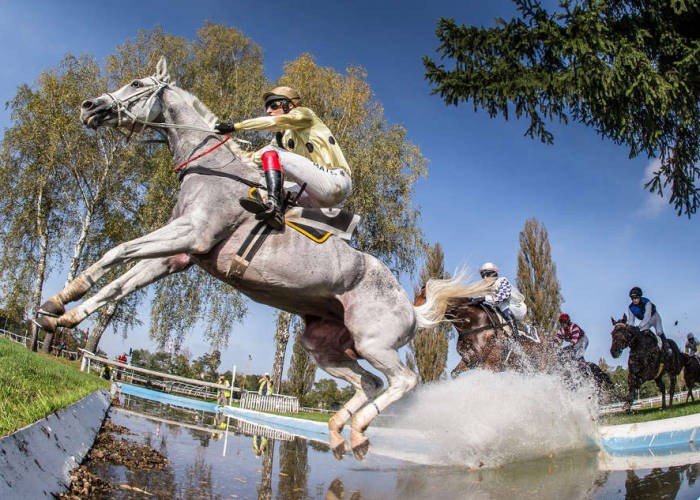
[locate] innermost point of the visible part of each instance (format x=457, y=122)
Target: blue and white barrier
x=669, y=432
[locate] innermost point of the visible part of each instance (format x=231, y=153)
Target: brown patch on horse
x=328, y=339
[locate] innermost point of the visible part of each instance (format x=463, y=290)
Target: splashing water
x=487, y=419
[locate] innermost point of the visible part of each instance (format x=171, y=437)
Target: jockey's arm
x=646, y=320
x=297, y=118
x=502, y=292
x=631, y=318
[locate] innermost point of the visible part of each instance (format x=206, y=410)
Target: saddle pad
x=342, y=223
x=310, y=232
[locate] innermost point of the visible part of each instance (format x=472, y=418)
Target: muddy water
x=206, y=463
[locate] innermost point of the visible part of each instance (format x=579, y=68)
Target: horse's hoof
x=46, y=323
x=339, y=449
x=360, y=448
x=52, y=308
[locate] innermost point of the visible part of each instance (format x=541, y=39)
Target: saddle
x=498, y=320
x=317, y=224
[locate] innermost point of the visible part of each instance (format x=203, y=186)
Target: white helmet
x=488, y=269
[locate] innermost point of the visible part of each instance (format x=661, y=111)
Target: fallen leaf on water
x=283, y=474
x=240, y=480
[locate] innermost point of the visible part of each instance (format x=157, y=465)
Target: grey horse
x=353, y=306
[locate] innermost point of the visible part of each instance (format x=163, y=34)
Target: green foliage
x=628, y=69
x=428, y=349
x=537, y=276
x=33, y=386
x=302, y=368
x=326, y=394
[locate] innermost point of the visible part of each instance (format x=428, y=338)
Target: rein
x=122, y=106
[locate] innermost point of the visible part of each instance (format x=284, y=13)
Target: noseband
x=120, y=106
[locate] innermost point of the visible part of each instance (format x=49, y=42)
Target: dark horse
x=691, y=373
x=646, y=361
x=575, y=370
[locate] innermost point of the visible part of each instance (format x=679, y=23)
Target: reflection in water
x=267, y=464
x=265, y=487
x=294, y=468
x=658, y=483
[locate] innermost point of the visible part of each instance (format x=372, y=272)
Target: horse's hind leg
x=332, y=347
x=401, y=380
x=143, y=273
x=366, y=385
x=181, y=235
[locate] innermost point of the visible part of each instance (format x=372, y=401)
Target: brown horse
x=691, y=373
x=487, y=341
x=646, y=360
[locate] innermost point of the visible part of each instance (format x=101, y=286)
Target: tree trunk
x=103, y=320
x=42, y=231
x=281, y=341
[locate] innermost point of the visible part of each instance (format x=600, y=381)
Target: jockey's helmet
x=564, y=317
x=636, y=292
x=488, y=269
x=690, y=336
x=284, y=94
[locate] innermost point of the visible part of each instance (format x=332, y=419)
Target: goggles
x=488, y=274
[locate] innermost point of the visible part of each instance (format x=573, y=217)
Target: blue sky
x=485, y=178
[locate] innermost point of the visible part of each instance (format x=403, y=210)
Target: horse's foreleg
x=662, y=388
x=366, y=385
x=401, y=380
x=671, y=389
x=142, y=274
x=181, y=235
x=460, y=368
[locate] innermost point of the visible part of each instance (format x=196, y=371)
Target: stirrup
x=253, y=205
x=272, y=217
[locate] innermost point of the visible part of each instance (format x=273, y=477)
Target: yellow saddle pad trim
x=308, y=234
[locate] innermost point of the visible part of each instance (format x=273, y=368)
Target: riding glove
x=225, y=127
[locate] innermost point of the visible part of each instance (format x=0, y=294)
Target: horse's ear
x=612, y=320
x=162, y=70
x=624, y=318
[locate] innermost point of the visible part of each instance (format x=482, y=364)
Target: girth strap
x=248, y=249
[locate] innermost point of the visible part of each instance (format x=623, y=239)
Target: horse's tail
x=438, y=292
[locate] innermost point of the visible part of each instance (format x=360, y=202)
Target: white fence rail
x=271, y=402
x=24, y=340
x=678, y=397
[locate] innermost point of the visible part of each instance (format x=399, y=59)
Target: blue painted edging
x=36, y=461
x=164, y=397
x=670, y=432
x=308, y=429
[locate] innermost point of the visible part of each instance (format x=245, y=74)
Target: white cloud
x=653, y=203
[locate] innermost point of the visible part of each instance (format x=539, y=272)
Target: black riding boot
x=270, y=211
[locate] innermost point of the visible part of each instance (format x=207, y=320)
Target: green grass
x=34, y=385
x=654, y=413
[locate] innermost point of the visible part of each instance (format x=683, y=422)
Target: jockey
x=503, y=295
x=303, y=149
x=691, y=346
x=643, y=313
x=571, y=332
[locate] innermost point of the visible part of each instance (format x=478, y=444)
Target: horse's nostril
x=87, y=104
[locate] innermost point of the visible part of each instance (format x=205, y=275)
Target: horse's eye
x=136, y=83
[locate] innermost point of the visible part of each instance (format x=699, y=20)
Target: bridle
x=121, y=107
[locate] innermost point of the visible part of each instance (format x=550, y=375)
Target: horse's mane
x=211, y=119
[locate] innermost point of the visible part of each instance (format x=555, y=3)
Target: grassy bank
x=33, y=385
x=655, y=413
